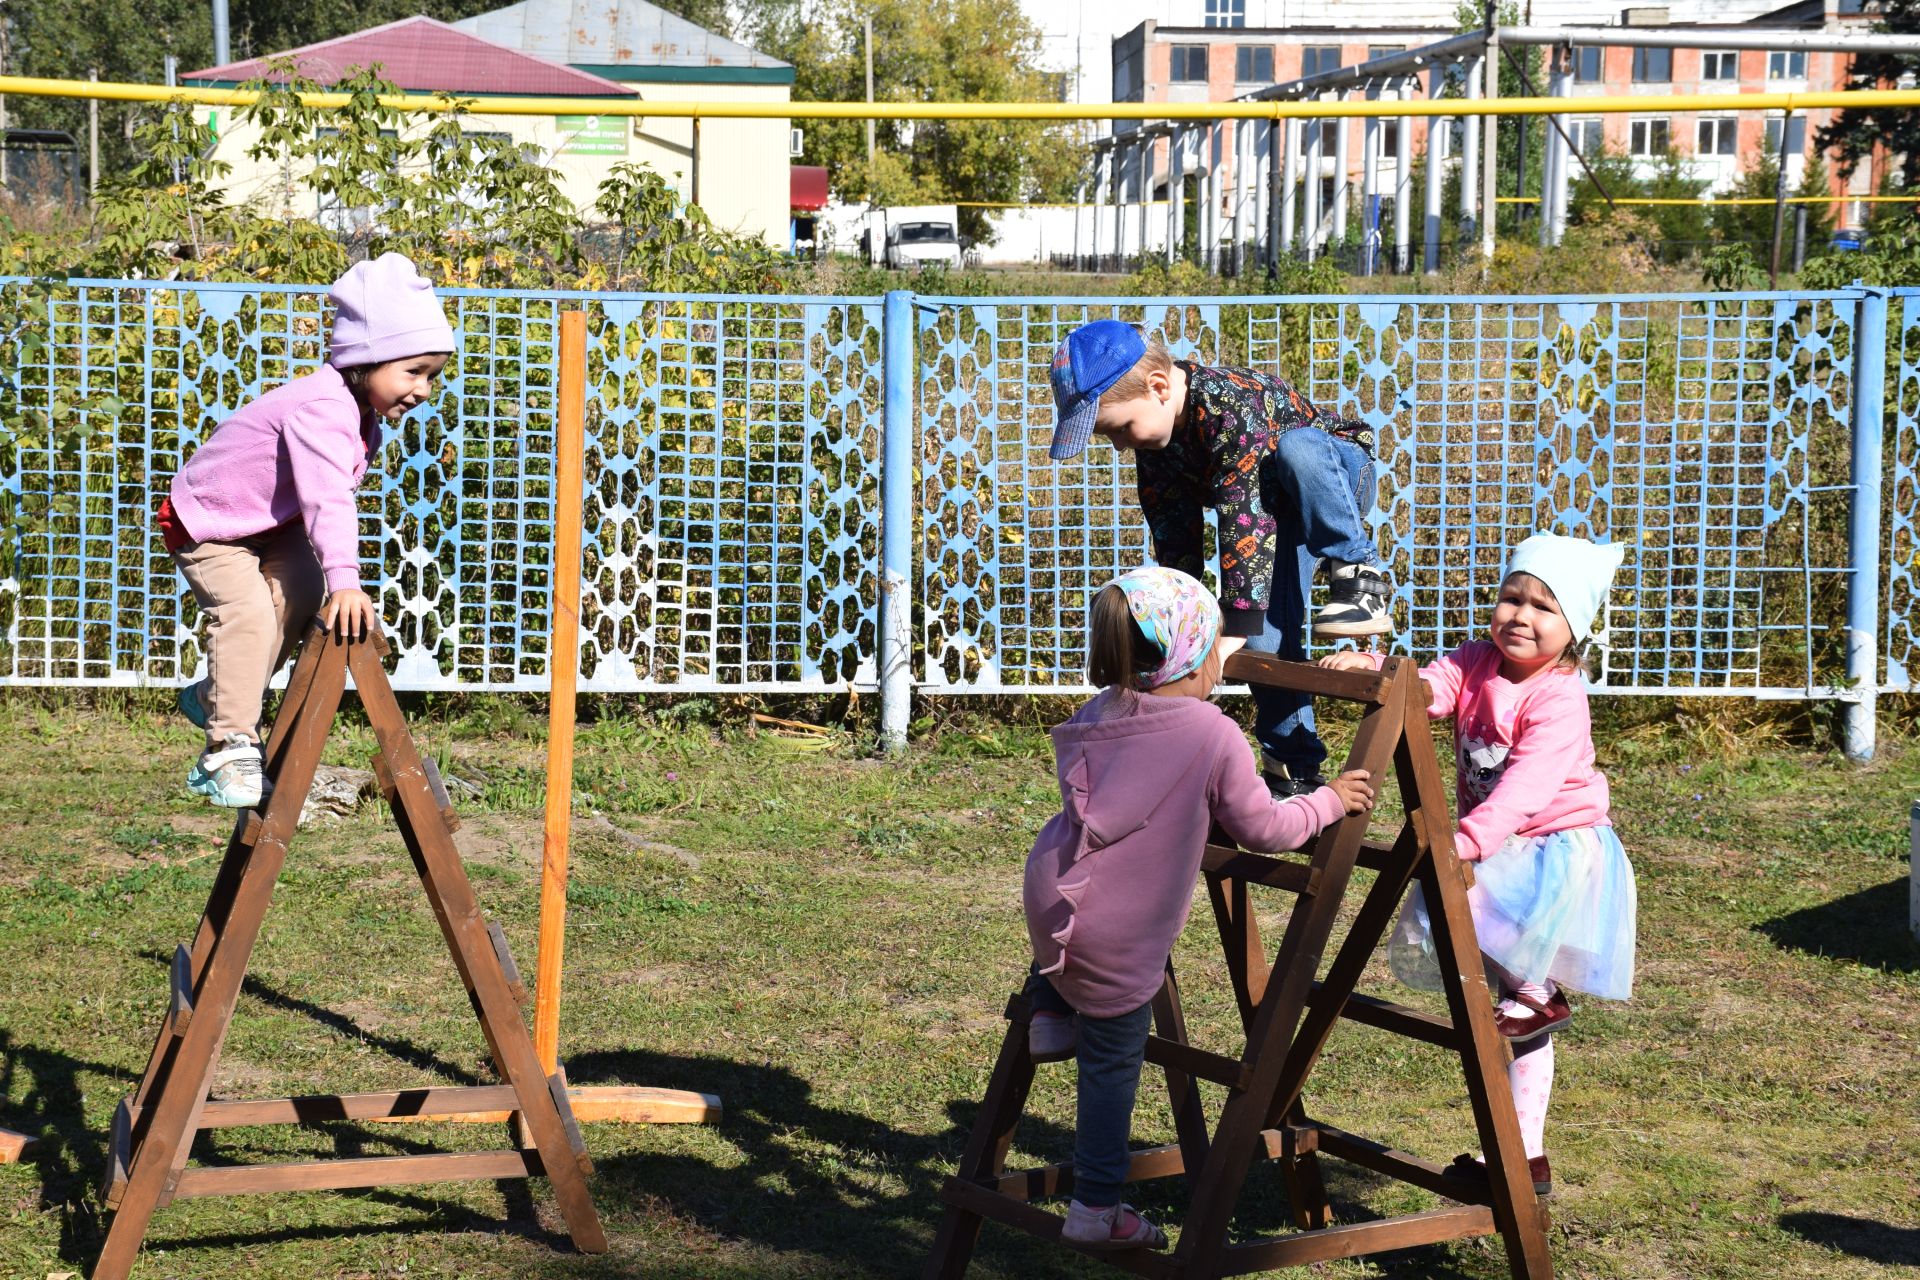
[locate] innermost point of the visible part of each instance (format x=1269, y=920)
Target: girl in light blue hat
x=1553, y=899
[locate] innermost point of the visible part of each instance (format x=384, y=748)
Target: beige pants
x=257, y=594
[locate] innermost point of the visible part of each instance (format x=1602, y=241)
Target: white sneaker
x=1091, y=1228
x=231, y=777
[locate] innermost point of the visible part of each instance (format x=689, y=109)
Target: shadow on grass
x=404, y=1051
x=863, y=1196
x=1869, y=927
x=69, y=1158
x=1863, y=1238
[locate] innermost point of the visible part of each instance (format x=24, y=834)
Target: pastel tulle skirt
x=1559, y=907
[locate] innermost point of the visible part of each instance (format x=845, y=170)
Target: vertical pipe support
x=896, y=521
x=1863, y=523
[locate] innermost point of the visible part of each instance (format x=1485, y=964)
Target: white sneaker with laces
x=231, y=777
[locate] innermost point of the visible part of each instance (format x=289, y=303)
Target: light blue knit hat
x=1578, y=572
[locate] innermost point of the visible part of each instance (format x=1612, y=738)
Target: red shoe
x=1537, y=1018
x=1474, y=1169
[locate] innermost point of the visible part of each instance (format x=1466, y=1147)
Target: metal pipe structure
x=1337, y=233
x=1315, y=187
x=1470, y=157
x=1730, y=36
x=1489, y=147
x=1289, y=191
x=1437, y=130
x=1143, y=152
x=1205, y=202
x=1369, y=194
x=1176, y=194
x=1403, y=187
x=112, y=91
x=1118, y=180
x=1373, y=69
x=1551, y=160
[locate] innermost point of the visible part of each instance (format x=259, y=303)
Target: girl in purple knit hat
x=1146, y=769
x=262, y=519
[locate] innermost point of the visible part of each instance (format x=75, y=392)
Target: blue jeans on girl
x=1109, y=1057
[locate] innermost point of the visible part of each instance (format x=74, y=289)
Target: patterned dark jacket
x=1233, y=419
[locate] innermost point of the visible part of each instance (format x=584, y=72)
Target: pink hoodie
x=1110, y=879
x=1524, y=751
x=298, y=451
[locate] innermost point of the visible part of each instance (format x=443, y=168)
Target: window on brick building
x=1587, y=134
x=1787, y=64
x=1717, y=136
x=1316, y=59
x=1720, y=65
x=1253, y=64
x=1649, y=138
x=1226, y=13
x=1588, y=65
x=1189, y=64
x=1796, y=136
x=1652, y=66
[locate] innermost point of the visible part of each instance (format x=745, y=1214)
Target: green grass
x=827, y=941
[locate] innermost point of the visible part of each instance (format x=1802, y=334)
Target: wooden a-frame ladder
x=153, y=1131
x=1287, y=1017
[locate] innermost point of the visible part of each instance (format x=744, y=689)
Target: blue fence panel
x=731, y=457
x=1708, y=432
x=1902, y=471
x=734, y=458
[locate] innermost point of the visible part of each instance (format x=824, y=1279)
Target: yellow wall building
x=736, y=170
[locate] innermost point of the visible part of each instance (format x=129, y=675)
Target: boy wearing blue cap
x=1288, y=484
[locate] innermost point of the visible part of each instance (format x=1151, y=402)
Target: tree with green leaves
x=927, y=51
x=1854, y=133
x=1750, y=224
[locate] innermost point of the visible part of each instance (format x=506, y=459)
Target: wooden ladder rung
x=180, y=991
x=516, y=986
x=370, y=1171
x=1381, y=1158
x=988, y=1203
x=1195, y=1061
x=1330, y=1243
x=1258, y=868
x=557, y=1086
x=1051, y=1180
x=119, y=1154
x=438, y=788
x=1397, y=1018
x=394, y=1104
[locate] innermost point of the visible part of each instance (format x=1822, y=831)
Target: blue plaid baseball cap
x=1091, y=360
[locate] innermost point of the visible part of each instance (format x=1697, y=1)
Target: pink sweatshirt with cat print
x=1524, y=751
x=1110, y=880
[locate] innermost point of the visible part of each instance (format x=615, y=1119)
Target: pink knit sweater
x=1110, y=879
x=298, y=451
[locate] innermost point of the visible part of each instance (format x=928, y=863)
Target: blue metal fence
x=745, y=456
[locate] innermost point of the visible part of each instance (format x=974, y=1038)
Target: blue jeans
x=1109, y=1057
x=1327, y=483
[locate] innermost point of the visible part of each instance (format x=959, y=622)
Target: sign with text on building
x=594, y=135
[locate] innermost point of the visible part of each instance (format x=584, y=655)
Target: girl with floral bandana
x=1146, y=769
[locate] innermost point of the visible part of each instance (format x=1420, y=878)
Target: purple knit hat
x=383, y=311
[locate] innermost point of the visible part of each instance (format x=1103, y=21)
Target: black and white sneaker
x=1285, y=786
x=1357, y=600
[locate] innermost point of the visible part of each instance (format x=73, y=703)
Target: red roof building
x=421, y=55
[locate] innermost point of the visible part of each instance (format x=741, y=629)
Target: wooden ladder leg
x=987, y=1144
x=1517, y=1212
x=313, y=647
x=544, y=1107
x=170, y=1120
x=1240, y=940
x=1183, y=1092
x=1216, y=1190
